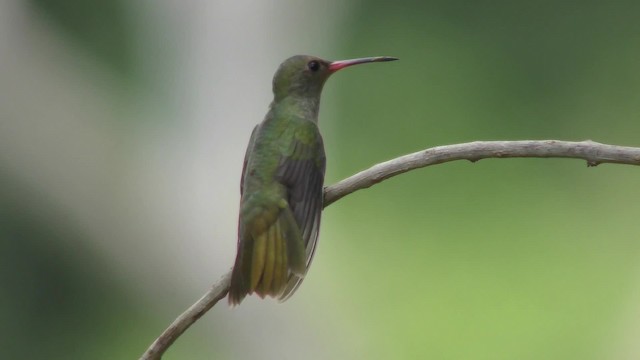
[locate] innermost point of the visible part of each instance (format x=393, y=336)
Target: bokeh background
x=123, y=125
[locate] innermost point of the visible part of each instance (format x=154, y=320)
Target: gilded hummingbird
x=281, y=186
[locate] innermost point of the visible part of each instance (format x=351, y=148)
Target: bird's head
x=304, y=75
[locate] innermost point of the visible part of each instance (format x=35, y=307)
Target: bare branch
x=594, y=153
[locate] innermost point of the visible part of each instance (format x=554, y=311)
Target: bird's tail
x=270, y=251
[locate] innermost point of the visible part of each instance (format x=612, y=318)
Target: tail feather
x=258, y=259
x=264, y=286
x=280, y=269
x=270, y=253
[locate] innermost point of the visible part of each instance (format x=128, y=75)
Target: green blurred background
x=122, y=130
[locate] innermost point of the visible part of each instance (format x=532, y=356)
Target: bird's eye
x=313, y=65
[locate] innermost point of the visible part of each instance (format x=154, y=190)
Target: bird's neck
x=303, y=107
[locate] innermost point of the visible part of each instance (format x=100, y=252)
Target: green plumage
x=282, y=184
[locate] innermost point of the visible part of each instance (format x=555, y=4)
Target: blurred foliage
x=508, y=259
x=58, y=300
x=99, y=27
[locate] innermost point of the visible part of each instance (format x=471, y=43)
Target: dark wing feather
x=302, y=172
x=239, y=286
x=252, y=140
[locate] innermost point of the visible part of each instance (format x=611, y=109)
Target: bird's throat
x=302, y=107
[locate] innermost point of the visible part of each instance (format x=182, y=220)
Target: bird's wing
x=301, y=170
x=252, y=140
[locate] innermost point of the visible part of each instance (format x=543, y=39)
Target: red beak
x=341, y=64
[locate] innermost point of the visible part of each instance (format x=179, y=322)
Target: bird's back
x=280, y=207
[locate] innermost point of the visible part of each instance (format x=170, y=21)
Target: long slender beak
x=341, y=64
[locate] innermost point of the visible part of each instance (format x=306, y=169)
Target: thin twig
x=594, y=153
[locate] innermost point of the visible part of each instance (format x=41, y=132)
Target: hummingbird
x=282, y=183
